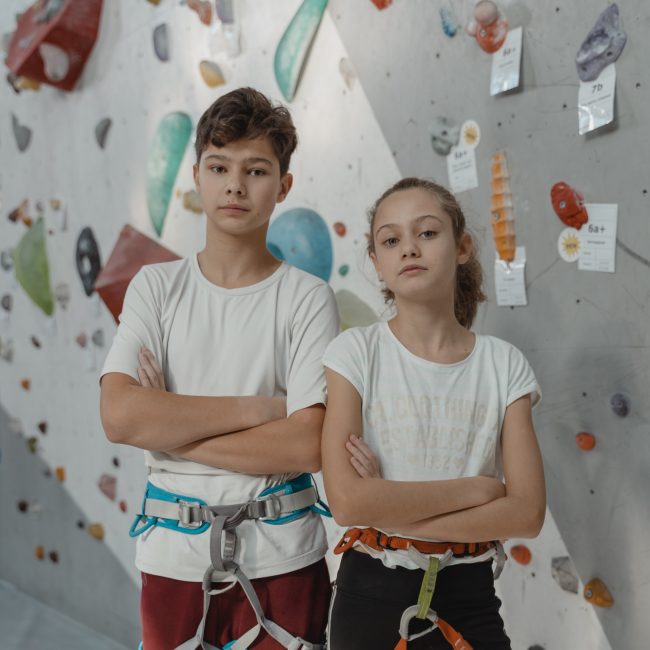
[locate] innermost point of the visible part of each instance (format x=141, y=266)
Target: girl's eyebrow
x=417, y=220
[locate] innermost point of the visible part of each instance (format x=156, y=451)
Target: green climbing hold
x=165, y=156
x=344, y=269
x=31, y=267
x=293, y=49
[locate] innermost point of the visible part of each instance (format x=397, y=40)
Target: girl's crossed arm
x=375, y=501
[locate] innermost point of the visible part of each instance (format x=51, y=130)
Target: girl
x=445, y=413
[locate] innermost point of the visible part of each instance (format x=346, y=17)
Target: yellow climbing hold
x=96, y=531
x=211, y=74
x=192, y=201
x=59, y=472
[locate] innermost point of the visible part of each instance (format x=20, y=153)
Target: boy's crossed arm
x=196, y=428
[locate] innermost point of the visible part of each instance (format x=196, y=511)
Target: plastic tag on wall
x=510, y=280
x=596, y=101
x=506, y=63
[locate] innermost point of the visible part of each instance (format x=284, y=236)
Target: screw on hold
x=620, y=404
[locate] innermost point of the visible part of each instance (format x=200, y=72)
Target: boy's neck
x=236, y=262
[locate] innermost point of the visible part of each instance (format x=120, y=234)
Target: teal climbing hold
x=293, y=48
x=31, y=267
x=165, y=155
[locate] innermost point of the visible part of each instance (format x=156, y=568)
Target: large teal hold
x=293, y=49
x=165, y=156
x=31, y=267
x=301, y=238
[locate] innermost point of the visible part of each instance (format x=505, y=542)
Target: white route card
x=461, y=168
x=506, y=63
x=596, y=101
x=598, y=238
x=510, y=280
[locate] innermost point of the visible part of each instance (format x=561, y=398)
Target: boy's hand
x=149, y=371
x=362, y=459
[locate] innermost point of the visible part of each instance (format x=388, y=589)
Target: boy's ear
x=195, y=172
x=465, y=248
x=286, y=183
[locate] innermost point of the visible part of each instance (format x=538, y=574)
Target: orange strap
x=379, y=541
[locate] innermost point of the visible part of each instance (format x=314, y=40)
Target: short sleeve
x=521, y=379
x=139, y=326
x=315, y=324
x=345, y=355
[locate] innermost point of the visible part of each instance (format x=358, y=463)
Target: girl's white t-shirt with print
x=430, y=421
x=263, y=339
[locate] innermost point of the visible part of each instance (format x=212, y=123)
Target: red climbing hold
x=521, y=554
x=585, y=441
x=569, y=205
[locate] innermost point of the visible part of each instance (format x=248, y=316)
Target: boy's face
x=240, y=184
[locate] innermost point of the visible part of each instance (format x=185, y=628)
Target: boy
x=239, y=337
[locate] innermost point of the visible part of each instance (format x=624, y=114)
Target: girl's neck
x=432, y=332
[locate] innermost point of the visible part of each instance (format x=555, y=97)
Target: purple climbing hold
x=620, y=404
x=161, y=42
x=603, y=45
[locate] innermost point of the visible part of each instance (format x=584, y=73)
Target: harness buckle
x=186, y=510
x=268, y=507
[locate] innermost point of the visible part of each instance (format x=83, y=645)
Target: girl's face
x=416, y=254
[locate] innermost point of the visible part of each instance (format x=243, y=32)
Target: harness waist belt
x=379, y=541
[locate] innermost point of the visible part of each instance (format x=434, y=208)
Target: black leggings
x=369, y=600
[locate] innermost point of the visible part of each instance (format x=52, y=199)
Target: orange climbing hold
x=26, y=384
x=503, y=220
x=521, y=554
x=597, y=593
x=59, y=472
x=585, y=441
x=340, y=229
x=39, y=552
x=96, y=531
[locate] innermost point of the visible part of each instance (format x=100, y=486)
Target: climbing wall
x=374, y=81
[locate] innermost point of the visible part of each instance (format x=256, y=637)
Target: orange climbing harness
x=418, y=550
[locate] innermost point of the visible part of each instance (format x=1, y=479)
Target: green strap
x=427, y=588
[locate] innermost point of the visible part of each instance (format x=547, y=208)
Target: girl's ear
x=465, y=248
x=373, y=259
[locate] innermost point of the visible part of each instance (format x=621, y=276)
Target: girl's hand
x=149, y=372
x=362, y=459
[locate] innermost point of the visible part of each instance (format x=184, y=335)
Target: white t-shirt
x=264, y=339
x=430, y=421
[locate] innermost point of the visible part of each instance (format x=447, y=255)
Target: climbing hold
x=6, y=349
x=23, y=506
x=42, y=427
x=80, y=524
x=564, y=573
x=192, y=201
x=585, y=441
x=597, y=593
x=18, y=84
x=82, y=340
x=32, y=269
x=96, y=531
x=503, y=220
x=347, y=72
x=88, y=260
x=56, y=62
x=6, y=302
x=340, y=229
x=295, y=44
x=382, y=4
x=165, y=156
x=353, y=311
x=620, y=404
x=603, y=45
x=39, y=552
x=116, y=461
x=161, y=42
x=131, y=252
x=569, y=205
x=491, y=26
x=22, y=133
x=301, y=238
x=122, y=505
x=98, y=338
x=32, y=444
x=108, y=485
x=449, y=24
x=521, y=554
x=536, y=647
x=211, y=74
x=344, y=269
x=6, y=260
x=62, y=295
x=20, y=213
x=225, y=11
x=59, y=472
x=26, y=384
x=444, y=134
x=35, y=342
x=101, y=131
x=203, y=8
x=54, y=557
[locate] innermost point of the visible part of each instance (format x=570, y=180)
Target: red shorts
x=298, y=601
